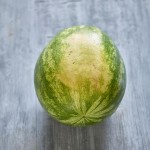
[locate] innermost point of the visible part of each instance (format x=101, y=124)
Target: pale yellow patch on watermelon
x=84, y=60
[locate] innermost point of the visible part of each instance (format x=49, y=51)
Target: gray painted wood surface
x=26, y=26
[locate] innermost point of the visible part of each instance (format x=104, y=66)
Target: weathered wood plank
x=26, y=27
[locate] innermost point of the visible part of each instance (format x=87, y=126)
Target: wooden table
x=26, y=26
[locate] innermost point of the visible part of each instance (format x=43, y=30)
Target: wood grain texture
x=26, y=27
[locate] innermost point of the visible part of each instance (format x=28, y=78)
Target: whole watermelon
x=80, y=76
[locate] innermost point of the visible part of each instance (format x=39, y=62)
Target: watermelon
x=80, y=76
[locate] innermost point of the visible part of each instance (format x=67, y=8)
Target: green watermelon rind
x=55, y=97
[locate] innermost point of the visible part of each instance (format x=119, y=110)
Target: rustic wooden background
x=26, y=26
